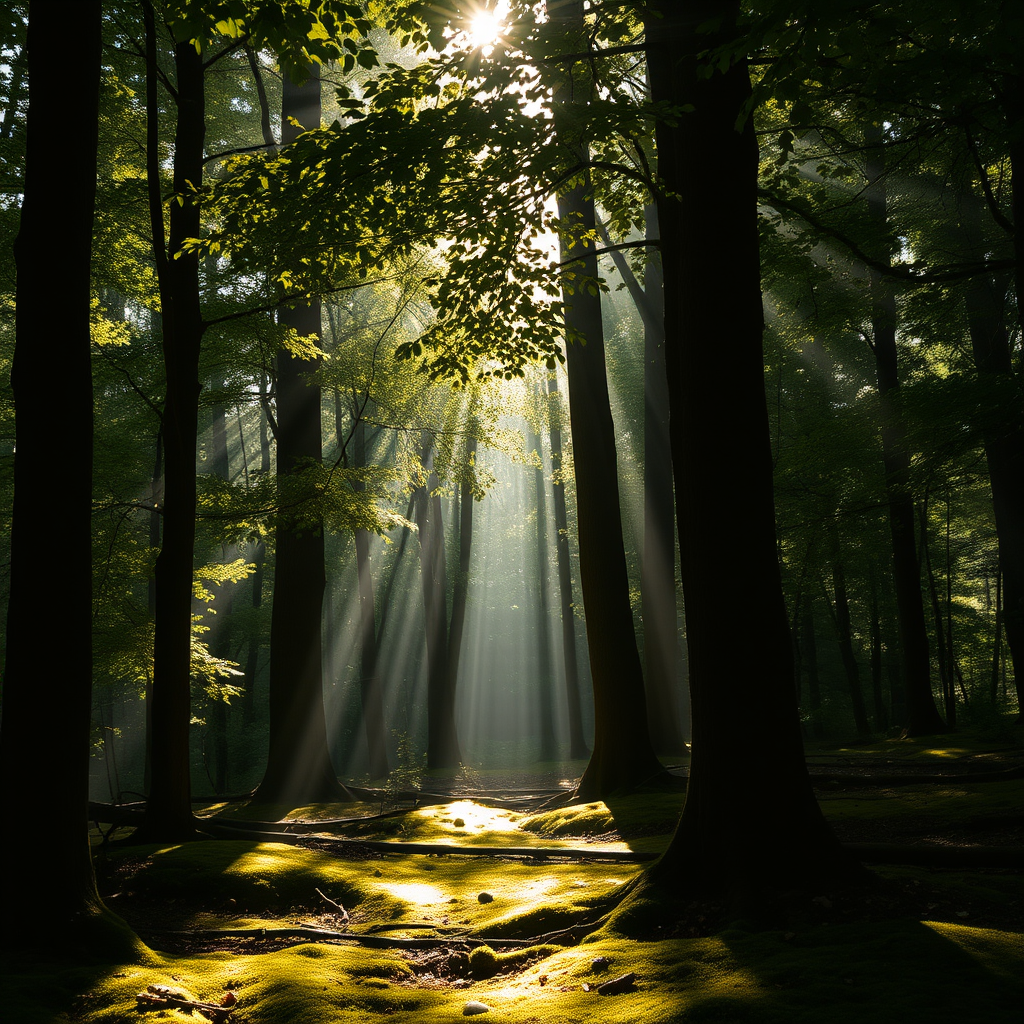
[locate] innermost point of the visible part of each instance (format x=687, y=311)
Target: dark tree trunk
x=578, y=748
x=371, y=686
x=299, y=768
x=1004, y=440
x=460, y=588
x=809, y=657
x=46, y=722
x=623, y=756
x=666, y=702
x=840, y=613
x=921, y=718
x=442, y=739
x=881, y=715
x=942, y=651
x=546, y=704
x=750, y=819
x=169, y=808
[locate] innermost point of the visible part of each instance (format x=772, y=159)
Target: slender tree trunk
x=881, y=715
x=460, y=589
x=578, y=748
x=442, y=739
x=299, y=768
x=371, y=686
x=840, y=612
x=169, y=808
x=546, y=721
x=809, y=656
x=46, y=723
x=1004, y=438
x=666, y=703
x=623, y=756
x=921, y=716
x=750, y=820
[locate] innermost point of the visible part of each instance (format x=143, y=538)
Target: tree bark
x=442, y=738
x=578, y=748
x=545, y=710
x=921, y=718
x=623, y=756
x=371, y=686
x=750, y=820
x=46, y=723
x=169, y=808
x=1004, y=439
x=667, y=705
x=299, y=768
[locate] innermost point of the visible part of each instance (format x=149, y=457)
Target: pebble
x=485, y=897
x=474, y=1007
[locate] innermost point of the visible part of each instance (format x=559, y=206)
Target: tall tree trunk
x=809, y=656
x=667, y=706
x=460, y=588
x=623, y=756
x=46, y=723
x=881, y=715
x=371, y=686
x=578, y=748
x=750, y=819
x=1004, y=439
x=921, y=716
x=169, y=808
x=442, y=739
x=840, y=613
x=299, y=768
x=545, y=710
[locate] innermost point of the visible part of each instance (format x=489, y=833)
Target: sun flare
x=485, y=28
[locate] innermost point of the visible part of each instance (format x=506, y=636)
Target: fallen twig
x=161, y=997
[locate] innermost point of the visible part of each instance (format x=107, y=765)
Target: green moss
x=483, y=963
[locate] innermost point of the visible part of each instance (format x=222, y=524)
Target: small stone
x=485, y=897
x=600, y=964
x=377, y=873
x=473, y=1007
x=459, y=823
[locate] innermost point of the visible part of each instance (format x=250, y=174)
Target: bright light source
x=485, y=28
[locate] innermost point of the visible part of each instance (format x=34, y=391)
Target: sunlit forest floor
x=511, y=904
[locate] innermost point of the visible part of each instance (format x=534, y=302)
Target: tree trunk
x=809, y=657
x=299, y=768
x=47, y=722
x=840, y=614
x=442, y=739
x=921, y=718
x=750, y=820
x=881, y=716
x=460, y=589
x=1004, y=440
x=371, y=686
x=545, y=711
x=169, y=808
x=623, y=756
x=666, y=702
x=578, y=748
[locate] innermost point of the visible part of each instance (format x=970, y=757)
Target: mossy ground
x=910, y=949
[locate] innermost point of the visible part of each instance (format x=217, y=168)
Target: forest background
x=381, y=471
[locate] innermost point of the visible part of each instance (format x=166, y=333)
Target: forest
x=540, y=526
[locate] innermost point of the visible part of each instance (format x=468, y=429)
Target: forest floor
x=495, y=895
